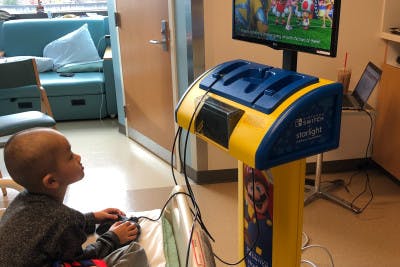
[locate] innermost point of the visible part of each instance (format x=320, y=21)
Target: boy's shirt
x=36, y=230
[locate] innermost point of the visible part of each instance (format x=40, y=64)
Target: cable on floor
x=309, y=262
x=305, y=240
x=367, y=183
x=305, y=247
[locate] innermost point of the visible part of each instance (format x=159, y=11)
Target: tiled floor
x=120, y=173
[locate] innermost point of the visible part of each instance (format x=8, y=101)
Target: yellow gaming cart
x=270, y=119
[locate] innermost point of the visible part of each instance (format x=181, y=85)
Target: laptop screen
x=367, y=83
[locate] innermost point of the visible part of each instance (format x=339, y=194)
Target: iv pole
x=323, y=193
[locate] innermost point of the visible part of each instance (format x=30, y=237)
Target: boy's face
x=69, y=168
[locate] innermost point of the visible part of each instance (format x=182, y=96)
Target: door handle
x=158, y=41
x=164, y=36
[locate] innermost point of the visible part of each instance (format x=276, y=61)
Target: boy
x=37, y=229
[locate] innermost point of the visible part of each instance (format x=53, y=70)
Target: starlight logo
x=309, y=133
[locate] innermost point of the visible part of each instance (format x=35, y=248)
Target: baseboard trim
x=388, y=174
x=231, y=175
x=212, y=176
x=340, y=165
x=121, y=128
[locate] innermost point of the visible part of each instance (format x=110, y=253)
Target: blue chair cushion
x=84, y=83
x=10, y=124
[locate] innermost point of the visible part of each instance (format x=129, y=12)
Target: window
x=52, y=6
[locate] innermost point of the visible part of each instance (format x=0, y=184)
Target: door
x=146, y=73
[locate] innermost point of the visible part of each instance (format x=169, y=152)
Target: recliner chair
x=16, y=75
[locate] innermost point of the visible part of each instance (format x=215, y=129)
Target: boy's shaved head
x=30, y=155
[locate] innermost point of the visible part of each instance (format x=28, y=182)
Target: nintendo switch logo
x=298, y=122
x=309, y=120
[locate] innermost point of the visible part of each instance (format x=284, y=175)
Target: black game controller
x=105, y=226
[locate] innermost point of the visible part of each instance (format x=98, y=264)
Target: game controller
x=105, y=226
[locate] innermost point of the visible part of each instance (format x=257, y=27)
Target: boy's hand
x=126, y=231
x=107, y=214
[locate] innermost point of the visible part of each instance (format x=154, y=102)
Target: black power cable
x=367, y=184
x=164, y=207
x=189, y=188
x=197, y=214
x=258, y=230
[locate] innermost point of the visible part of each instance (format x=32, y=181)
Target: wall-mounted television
x=309, y=26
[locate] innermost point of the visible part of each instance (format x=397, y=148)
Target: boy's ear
x=50, y=182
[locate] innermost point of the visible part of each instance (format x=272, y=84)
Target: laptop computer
x=359, y=97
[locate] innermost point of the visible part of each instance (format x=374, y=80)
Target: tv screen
x=310, y=26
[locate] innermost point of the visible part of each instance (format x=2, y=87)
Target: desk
x=387, y=130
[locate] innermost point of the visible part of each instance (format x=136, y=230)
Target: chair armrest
x=9, y=183
x=107, y=53
x=108, y=71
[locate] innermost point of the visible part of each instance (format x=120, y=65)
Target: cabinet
x=391, y=18
x=387, y=127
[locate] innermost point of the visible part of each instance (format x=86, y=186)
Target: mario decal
x=258, y=206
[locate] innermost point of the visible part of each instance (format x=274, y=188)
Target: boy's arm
x=90, y=223
x=103, y=246
x=69, y=245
